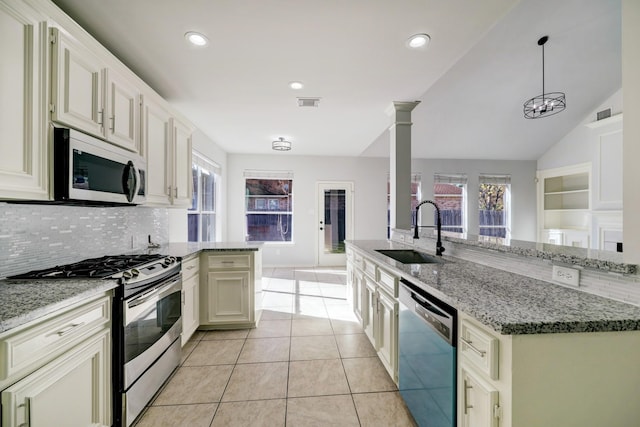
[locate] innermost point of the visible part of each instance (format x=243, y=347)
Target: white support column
x=631, y=130
x=400, y=164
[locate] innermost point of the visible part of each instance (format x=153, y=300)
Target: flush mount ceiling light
x=281, y=144
x=296, y=85
x=196, y=39
x=546, y=104
x=418, y=41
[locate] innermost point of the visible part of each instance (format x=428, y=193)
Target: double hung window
x=449, y=192
x=493, y=205
x=201, y=215
x=269, y=206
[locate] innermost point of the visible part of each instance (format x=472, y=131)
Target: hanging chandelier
x=546, y=104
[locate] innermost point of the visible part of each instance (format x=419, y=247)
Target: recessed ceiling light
x=296, y=85
x=196, y=39
x=418, y=41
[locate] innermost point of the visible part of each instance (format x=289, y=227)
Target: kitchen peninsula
x=530, y=352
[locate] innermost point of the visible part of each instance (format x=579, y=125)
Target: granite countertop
x=509, y=303
x=25, y=300
x=22, y=301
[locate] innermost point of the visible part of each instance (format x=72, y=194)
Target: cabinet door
x=228, y=297
x=190, y=307
x=358, y=289
x=156, y=149
x=123, y=107
x=182, y=177
x=387, y=336
x=72, y=391
x=77, y=85
x=479, y=404
x=23, y=82
x=369, y=310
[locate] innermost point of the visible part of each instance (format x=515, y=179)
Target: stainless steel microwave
x=91, y=171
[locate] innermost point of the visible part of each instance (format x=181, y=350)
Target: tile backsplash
x=41, y=236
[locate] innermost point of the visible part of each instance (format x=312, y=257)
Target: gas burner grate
x=101, y=267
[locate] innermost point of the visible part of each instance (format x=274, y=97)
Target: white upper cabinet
x=88, y=96
x=156, y=149
x=182, y=179
x=167, y=148
x=123, y=112
x=77, y=85
x=23, y=83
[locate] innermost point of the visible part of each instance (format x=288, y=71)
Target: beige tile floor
x=308, y=363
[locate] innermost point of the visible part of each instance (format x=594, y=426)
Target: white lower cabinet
x=479, y=404
x=231, y=292
x=387, y=336
x=71, y=391
x=190, y=297
x=56, y=371
x=376, y=307
x=369, y=309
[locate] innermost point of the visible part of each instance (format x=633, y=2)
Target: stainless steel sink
x=410, y=256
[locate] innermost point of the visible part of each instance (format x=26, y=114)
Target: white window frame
x=458, y=179
x=273, y=175
x=498, y=179
x=204, y=164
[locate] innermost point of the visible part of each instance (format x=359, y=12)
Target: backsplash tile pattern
x=617, y=286
x=42, y=236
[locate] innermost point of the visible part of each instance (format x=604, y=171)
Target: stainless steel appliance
x=147, y=322
x=91, y=171
x=427, y=356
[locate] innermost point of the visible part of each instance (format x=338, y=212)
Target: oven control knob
x=166, y=262
x=127, y=275
x=135, y=272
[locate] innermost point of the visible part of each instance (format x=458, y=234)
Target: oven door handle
x=160, y=292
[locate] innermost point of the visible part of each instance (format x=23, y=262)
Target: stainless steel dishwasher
x=427, y=357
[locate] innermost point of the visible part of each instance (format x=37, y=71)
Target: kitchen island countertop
x=509, y=303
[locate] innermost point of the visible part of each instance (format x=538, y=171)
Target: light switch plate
x=566, y=275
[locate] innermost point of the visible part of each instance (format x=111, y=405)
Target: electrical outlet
x=566, y=275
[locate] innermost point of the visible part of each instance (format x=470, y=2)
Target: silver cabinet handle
x=100, y=117
x=191, y=267
x=113, y=123
x=465, y=403
x=175, y=191
x=469, y=344
x=67, y=329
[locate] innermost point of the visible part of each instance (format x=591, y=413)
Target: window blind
x=253, y=173
x=450, y=178
x=495, y=179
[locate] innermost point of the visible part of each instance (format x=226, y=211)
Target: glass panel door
x=334, y=224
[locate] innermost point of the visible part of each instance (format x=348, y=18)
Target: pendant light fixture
x=281, y=144
x=546, y=104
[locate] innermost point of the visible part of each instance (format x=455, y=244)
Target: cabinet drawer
x=358, y=261
x=39, y=342
x=480, y=348
x=190, y=267
x=388, y=281
x=370, y=268
x=225, y=261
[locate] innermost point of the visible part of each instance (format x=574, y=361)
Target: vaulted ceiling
x=482, y=64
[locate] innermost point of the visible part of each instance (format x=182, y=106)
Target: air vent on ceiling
x=603, y=114
x=308, y=102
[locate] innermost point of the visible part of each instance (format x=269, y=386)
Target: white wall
x=523, y=189
x=369, y=176
x=581, y=144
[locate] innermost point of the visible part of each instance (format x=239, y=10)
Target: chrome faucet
x=439, y=247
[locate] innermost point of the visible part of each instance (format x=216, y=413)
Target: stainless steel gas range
x=147, y=322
